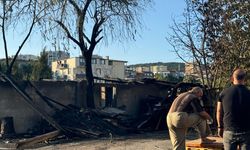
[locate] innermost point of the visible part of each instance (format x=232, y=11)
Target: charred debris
x=71, y=121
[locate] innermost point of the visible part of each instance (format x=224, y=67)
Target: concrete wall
x=132, y=96
x=13, y=104
x=67, y=92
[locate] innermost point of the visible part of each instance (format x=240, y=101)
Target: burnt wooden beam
x=40, y=138
x=83, y=132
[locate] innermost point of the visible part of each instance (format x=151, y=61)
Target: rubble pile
x=73, y=121
x=83, y=123
x=152, y=114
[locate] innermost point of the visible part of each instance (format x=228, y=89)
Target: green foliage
x=41, y=70
x=30, y=70
x=21, y=69
x=229, y=35
x=169, y=78
x=172, y=78
x=191, y=79
x=16, y=72
x=26, y=70
x=3, y=67
x=159, y=76
x=216, y=36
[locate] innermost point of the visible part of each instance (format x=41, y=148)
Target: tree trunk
x=90, y=80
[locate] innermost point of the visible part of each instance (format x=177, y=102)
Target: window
x=94, y=61
x=102, y=62
x=110, y=62
x=81, y=62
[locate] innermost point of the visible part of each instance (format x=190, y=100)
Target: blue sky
x=150, y=47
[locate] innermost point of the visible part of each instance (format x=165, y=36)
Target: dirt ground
x=145, y=141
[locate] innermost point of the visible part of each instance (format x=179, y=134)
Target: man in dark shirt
x=233, y=113
x=186, y=111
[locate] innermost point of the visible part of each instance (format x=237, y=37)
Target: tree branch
x=67, y=32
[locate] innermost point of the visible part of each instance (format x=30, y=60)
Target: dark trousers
x=233, y=140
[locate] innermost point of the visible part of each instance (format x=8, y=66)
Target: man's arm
x=205, y=115
x=219, y=118
x=219, y=114
x=198, y=108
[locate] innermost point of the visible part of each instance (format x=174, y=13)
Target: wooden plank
x=7, y=146
x=218, y=144
x=83, y=132
x=31, y=141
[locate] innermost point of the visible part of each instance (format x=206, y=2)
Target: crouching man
x=186, y=111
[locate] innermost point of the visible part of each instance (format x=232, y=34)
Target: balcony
x=62, y=66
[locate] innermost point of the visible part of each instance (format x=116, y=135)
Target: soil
x=145, y=141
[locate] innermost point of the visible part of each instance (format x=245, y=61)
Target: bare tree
x=87, y=22
x=189, y=40
x=192, y=40
x=20, y=17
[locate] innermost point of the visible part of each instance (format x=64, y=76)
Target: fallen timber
x=92, y=126
x=75, y=121
x=27, y=142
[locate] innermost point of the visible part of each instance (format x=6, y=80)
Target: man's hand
x=210, y=121
x=220, y=132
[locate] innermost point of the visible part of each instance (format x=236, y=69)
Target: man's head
x=197, y=91
x=238, y=76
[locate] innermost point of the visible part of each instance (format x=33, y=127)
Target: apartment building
x=151, y=70
x=56, y=55
x=130, y=72
x=160, y=69
x=141, y=69
x=74, y=68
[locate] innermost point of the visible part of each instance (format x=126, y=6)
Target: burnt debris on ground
x=72, y=121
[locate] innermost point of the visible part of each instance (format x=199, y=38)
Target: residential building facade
x=160, y=69
x=74, y=68
x=56, y=56
x=155, y=70
x=141, y=69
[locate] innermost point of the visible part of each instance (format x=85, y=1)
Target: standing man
x=186, y=111
x=233, y=113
